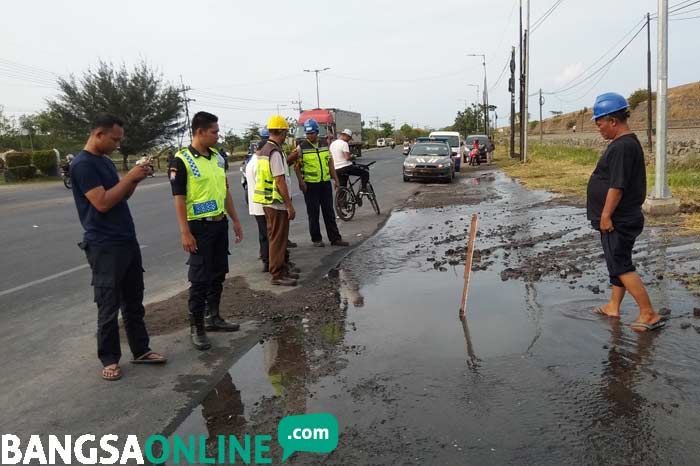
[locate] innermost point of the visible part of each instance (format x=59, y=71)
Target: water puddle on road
x=531, y=376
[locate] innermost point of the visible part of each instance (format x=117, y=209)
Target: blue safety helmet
x=311, y=126
x=608, y=103
x=264, y=133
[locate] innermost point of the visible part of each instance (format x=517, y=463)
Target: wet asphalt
x=531, y=377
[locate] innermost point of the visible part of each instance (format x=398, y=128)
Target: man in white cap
x=342, y=160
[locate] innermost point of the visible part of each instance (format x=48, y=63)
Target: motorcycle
x=474, y=157
x=65, y=174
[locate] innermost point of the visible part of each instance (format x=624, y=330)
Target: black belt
x=216, y=218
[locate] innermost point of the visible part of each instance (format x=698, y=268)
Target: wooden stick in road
x=468, y=265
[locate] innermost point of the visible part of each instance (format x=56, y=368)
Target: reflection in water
x=625, y=411
x=473, y=362
x=350, y=288
x=222, y=410
x=287, y=367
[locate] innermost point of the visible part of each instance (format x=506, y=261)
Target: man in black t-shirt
x=616, y=192
x=110, y=245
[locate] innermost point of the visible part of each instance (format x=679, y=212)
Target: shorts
x=617, y=249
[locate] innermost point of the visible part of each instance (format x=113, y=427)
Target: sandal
x=150, y=357
x=111, y=374
x=600, y=312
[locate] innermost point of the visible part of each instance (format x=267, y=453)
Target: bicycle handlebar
x=365, y=165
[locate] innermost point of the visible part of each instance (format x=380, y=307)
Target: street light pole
x=486, y=93
x=661, y=202
x=317, y=71
x=477, y=106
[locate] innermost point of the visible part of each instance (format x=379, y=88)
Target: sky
x=403, y=62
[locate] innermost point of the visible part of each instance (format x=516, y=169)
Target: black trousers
x=262, y=238
x=353, y=170
x=208, y=266
x=117, y=278
x=319, y=199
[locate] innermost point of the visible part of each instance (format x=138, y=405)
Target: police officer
x=202, y=200
x=314, y=170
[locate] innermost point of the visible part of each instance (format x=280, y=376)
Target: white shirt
x=338, y=149
x=250, y=173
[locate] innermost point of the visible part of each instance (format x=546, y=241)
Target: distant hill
x=683, y=106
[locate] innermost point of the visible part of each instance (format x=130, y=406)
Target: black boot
x=213, y=322
x=198, y=334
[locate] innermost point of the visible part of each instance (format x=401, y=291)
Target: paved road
x=46, y=308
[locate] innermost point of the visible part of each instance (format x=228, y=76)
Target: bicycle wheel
x=373, y=198
x=345, y=203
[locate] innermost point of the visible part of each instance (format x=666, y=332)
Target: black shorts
x=617, y=249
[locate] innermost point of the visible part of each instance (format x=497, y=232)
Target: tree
x=6, y=124
x=251, y=133
x=150, y=107
x=639, y=96
x=468, y=120
x=387, y=130
x=232, y=141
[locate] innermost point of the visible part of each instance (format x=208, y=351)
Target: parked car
x=455, y=140
x=456, y=159
x=429, y=160
x=381, y=142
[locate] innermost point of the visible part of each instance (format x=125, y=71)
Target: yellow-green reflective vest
x=206, y=184
x=266, y=191
x=314, y=162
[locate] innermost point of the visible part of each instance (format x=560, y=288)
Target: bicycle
x=346, y=198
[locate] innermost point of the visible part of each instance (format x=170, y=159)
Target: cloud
x=568, y=73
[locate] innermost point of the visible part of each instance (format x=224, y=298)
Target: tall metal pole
x=511, y=88
x=526, y=43
x=661, y=190
x=649, y=95
x=521, y=71
x=317, y=71
x=541, y=121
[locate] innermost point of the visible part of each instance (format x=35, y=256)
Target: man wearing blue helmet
x=315, y=170
x=616, y=192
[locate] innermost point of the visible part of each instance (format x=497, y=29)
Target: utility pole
x=485, y=97
x=661, y=202
x=297, y=103
x=521, y=70
x=649, y=95
x=541, y=121
x=511, y=89
x=317, y=71
x=526, y=46
x=186, y=101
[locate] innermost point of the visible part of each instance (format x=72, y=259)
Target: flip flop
x=600, y=312
x=648, y=327
x=146, y=359
x=116, y=374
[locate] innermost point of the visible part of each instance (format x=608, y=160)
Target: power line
x=681, y=19
x=427, y=78
x=570, y=86
x=546, y=15
x=500, y=76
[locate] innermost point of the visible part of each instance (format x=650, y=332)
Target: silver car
x=429, y=160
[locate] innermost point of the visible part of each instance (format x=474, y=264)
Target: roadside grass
x=566, y=170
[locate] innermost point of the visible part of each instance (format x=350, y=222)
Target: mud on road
x=531, y=376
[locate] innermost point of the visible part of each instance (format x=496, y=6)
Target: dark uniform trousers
x=262, y=238
x=208, y=266
x=319, y=199
x=117, y=278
